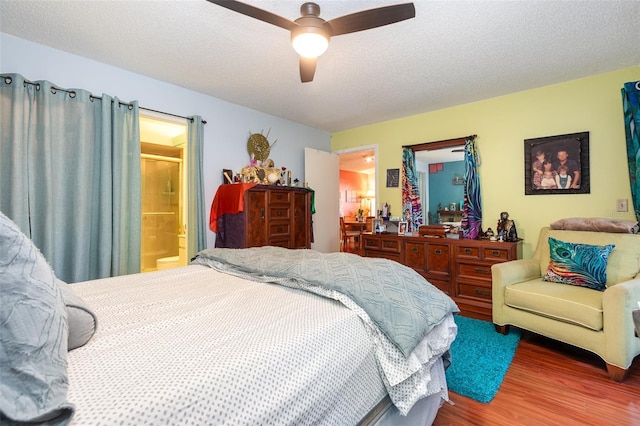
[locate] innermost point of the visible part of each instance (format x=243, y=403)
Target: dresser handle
x=261, y=213
x=467, y=251
x=279, y=196
x=495, y=253
x=279, y=213
x=280, y=229
x=438, y=252
x=389, y=244
x=483, y=271
x=415, y=249
x=482, y=292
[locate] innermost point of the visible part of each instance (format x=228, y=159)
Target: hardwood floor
x=550, y=383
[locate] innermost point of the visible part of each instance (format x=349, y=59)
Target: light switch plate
x=622, y=205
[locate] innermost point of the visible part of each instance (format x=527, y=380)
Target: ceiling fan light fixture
x=310, y=42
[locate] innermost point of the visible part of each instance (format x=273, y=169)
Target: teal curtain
x=472, y=209
x=196, y=222
x=411, y=203
x=631, y=108
x=70, y=176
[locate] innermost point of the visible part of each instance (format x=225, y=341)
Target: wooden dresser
x=460, y=268
x=272, y=215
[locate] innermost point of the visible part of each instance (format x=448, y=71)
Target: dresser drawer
x=390, y=245
x=496, y=253
x=370, y=243
x=277, y=213
x=279, y=243
x=279, y=230
x=438, y=258
x=383, y=255
x=279, y=197
x=415, y=255
x=474, y=290
x=467, y=252
x=474, y=271
x=440, y=284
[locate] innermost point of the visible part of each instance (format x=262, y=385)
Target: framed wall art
x=557, y=164
x=351, y=196
x=393, y=178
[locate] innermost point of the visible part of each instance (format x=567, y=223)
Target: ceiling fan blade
x=257, y=13
x=371, y=18
x=307, y=68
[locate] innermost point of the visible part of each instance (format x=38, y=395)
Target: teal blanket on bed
x=400, y=301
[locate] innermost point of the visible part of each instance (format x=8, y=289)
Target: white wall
x=228, y=125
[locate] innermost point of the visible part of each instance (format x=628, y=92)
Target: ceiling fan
x=310, y=34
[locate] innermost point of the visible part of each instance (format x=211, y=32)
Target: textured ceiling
x=452, y=52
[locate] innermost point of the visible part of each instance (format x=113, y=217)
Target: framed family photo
x=557, y=164
x=402, y=227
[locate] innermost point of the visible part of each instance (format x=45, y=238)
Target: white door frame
x=375, y=156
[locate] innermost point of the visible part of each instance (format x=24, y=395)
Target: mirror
x=441, y=164
x=443, y=189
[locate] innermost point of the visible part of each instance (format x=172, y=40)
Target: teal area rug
x=480, y=358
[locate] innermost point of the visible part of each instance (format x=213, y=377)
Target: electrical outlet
x=621, y=205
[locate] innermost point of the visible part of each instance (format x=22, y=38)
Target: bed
x=214, y=343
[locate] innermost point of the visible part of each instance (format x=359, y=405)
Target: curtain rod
x=424, y=146
x=72, y=93
x=168, y=113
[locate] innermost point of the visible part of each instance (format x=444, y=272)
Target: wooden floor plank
x=550, y=383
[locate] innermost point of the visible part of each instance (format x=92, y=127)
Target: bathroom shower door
x=162, y=197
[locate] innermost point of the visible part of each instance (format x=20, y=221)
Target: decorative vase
x=272, y=177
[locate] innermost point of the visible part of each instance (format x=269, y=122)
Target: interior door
x=323, y=176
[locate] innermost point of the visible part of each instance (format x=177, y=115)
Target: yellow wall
x=502, y=124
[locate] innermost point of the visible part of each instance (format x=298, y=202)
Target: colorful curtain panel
x=630, y=104
x=411, y=204
x=472, y=210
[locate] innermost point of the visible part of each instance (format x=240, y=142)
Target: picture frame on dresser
x=402, y=227
x=227, y=176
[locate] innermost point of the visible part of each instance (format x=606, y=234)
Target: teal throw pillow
x=581, y=265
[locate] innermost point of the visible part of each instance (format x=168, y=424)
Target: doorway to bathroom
x=163, y=176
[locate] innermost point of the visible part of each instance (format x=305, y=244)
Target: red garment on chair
x=228, y=199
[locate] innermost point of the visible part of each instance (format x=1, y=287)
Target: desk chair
x=347, y=236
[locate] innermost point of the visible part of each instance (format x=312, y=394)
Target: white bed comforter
x=196, y=346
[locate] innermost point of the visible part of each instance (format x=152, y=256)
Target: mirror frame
x=432, y=146
x=436, y=145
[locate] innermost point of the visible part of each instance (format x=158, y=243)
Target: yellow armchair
x=598, y=321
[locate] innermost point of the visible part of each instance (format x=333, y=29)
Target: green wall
x=502, y=124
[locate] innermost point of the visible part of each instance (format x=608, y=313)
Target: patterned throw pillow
x=582, y=265
x=33, y=341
